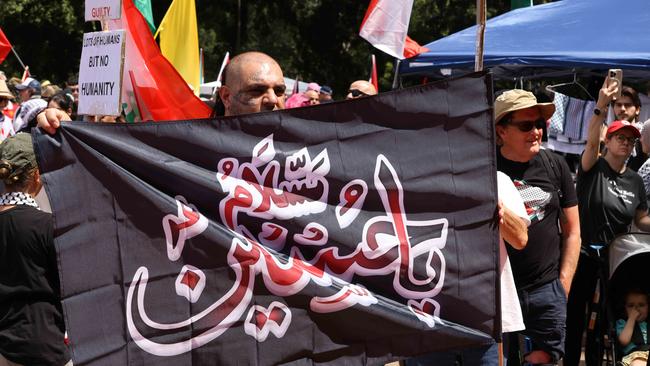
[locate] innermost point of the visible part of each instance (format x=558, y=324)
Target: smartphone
x=617, y=74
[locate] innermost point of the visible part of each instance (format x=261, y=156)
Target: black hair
x=63, y=99
x=72, y=80
x=632, y=94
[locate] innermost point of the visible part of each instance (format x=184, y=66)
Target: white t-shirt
x=511, y=318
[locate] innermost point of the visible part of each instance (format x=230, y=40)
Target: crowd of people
x=554, y=231
x=317, y=94
x=20, y=100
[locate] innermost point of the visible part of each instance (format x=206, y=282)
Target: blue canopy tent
x=563, y=37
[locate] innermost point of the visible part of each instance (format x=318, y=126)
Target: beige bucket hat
x=4, y=91
x=516, y=99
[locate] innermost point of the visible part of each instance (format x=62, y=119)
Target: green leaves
x=317, y=39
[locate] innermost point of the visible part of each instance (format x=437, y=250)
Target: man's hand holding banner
x=356, y=232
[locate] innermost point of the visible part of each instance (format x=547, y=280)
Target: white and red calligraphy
x=255, y=189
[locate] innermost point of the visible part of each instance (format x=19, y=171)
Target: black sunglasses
x=357, y=93
x=527, y=126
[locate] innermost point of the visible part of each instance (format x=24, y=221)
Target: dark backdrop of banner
x=354, y=232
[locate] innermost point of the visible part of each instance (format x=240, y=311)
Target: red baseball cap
x=618, y=125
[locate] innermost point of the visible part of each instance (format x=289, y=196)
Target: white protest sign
x=103, y=9
x=100, y=73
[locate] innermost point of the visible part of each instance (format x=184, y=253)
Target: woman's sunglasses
x=527, y=126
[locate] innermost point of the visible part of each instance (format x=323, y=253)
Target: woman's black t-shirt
x=539, y=262
x=608, y=202
x=31, y=320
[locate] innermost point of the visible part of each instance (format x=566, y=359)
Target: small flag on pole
x=5, y=46
x=296, y=85
x=225, y=61
x=412, y=48
x=373, y=73
x=26, y=74
x=385, y=26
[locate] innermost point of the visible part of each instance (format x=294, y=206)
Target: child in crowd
x=633, y=332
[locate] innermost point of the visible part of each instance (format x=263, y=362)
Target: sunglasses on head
x=527, y=126
x=356, y=93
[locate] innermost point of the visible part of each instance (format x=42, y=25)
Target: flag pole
x=18, y=57
x=226, y=58
x=296, y=85
x=480, y=34
x=201, y=66
x=225, y=61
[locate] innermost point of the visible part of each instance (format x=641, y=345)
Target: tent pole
x=480, y=34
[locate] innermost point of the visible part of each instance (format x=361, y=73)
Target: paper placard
x=100, y=73
x=103, y=9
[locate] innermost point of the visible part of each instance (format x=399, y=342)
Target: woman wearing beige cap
x=31, y=319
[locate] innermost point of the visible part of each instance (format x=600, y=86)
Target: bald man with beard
x=252, y=82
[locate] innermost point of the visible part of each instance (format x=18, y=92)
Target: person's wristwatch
x=598, y=111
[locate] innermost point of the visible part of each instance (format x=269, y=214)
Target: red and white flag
x=26, y=74
x=386, y=25
x=412, y=48
x=226, y=60
x=373, y=73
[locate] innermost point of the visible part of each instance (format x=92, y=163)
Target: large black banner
x=355, y=232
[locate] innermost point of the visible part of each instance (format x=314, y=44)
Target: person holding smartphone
x=611, y=197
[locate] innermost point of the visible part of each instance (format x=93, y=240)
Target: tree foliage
x=315, y=40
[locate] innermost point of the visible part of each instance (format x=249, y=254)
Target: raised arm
x=605, y=95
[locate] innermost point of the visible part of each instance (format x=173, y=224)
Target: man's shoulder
x=552, y=156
